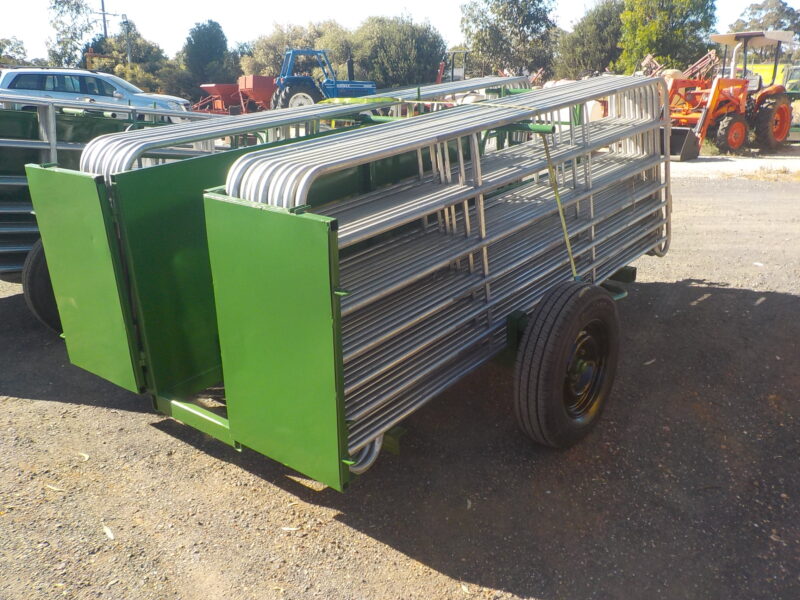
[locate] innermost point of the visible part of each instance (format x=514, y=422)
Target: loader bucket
x=684, y=143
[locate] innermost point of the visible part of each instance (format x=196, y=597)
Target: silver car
x=82, y=85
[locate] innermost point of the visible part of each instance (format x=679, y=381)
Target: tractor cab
x=297, y=86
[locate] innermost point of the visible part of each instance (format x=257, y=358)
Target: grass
x=709, y=148
x=778, y=174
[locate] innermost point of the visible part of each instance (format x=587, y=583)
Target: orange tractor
x=726, y=108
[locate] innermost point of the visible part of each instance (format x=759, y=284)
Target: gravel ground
x=766, y=165
x=687, y=489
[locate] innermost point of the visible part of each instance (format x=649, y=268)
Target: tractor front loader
x=697, y=111
x=727, y=108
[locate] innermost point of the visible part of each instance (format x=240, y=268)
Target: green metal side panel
x=275, y=275
x=162, y=227
x=77, y=233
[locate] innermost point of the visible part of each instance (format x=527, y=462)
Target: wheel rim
x=781, y=122
x=300, y=99
x=587, y=368
x=737, y=134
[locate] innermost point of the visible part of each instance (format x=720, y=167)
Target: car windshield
x=128, y=87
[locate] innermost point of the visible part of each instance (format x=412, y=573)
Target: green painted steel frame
x=275, y=286
x=139, y=303
x=162, y=239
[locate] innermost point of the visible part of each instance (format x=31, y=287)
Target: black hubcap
x=586, y=370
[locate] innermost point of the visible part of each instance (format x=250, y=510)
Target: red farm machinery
x=728, y=106
x=251, y=93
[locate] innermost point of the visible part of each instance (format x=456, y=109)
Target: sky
x=168, y=23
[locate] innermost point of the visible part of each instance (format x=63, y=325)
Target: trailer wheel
x=566, y=364
x=37, y=289
x=299, y=94
x=773, y=121
x=731, y=133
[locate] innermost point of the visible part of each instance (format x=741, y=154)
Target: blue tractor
x=301, y=89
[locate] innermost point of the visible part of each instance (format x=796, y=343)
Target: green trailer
x=335, y=284
x=57, y=132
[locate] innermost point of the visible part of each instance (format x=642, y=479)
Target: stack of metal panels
x=434, y=265
x=46, y=130
x=117, y=153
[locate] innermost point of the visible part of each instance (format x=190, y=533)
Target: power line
x=104, y=14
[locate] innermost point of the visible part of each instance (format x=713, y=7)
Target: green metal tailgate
x=82, y=255
x=275, y=275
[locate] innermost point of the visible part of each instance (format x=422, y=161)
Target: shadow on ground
x=35, y=366
x=688, y=488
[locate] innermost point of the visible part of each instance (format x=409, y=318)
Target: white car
x=81, y=85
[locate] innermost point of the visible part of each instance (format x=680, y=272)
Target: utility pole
x=103, y=12
x=126, y=24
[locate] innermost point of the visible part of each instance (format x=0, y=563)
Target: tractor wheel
x=566, y=364
x=37, y=289
x=301, y=94
x=773, y=121
x=732, y=133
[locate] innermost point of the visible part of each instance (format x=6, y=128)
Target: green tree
x=769, y=15
x=146, y=57
x=267, y=51
x=593, y=43
x=207, y=58
x=675, y=32
x=389, y=51
x=396, y=51
x=173, y=78
x=12, y=51
x=509, y=34
x=72, y=21
x=338, y=42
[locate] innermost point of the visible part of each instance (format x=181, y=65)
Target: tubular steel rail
x=52, y=131
x=117, y=153
x=431, y=268
x=48, y=109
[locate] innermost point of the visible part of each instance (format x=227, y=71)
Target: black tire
x=731, y=135
x=572, y=320
x=282, y=98
x=37, y=289
x=769, y=135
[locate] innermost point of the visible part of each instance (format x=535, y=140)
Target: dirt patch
x=777, y=166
